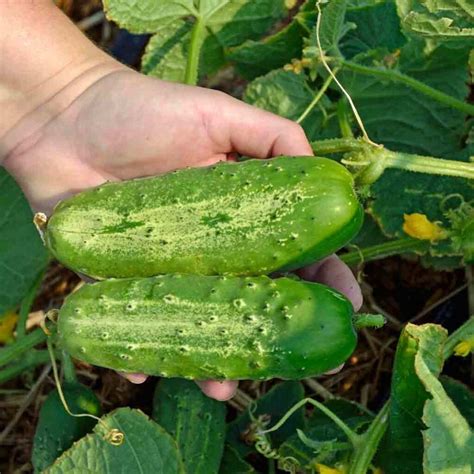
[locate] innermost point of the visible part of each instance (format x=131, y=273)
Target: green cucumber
x=57, y=430
x=246, y=218
x=205, y=327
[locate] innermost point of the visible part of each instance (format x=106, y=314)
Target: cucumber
x=208, y=327
x=57, y=430
x=248, y=218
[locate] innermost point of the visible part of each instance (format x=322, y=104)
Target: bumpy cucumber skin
x=205, y=327
x=247, y=218
x=57, y=430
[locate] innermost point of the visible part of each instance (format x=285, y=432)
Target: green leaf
x=377, y=26
x=445, y=20
x=166, y=54
x=194, y=420
x=256, y=58
x=234, y=21
x=448, y=440
x=401, y=449
x=57, y=430
x=146, y=448
x=232, y=463
x=333, y=26
x=226, y=23
x=462, y=396
x=22, y=254
x=147, y=16
x=325, y=435
x=405, y=120
x=286, y=94
x=274, y=404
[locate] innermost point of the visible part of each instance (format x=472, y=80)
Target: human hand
x=125, y=125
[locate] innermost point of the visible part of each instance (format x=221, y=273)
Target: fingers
x=134, y=378
x=221, y=391
x=255, y=132
x=333, y=272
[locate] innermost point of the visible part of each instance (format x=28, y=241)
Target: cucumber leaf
x=376, y=27
x=232, y=463
x=195, y=421
x=22, y=254
x=57, y=430
x=274, y=405
x=401, y=449
x=146, y=447
x=256, y=58
x=462, y=396
x=441, y=20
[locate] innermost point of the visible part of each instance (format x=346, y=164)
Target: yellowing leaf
x=7, y=326
x=419, y=227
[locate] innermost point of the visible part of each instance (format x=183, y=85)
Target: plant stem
x=194, y=54
x=343, y=118
x=68, y=368
x=338, y=145
x=31, y=360
x=461, y=334
x=26, y=306
x=16, y=349
x=351, y=435
x=428, y=164
x=317, y=98
x=369, y=443
x=393, y=247
x=419, y=86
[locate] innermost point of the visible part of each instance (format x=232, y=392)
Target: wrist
x=45, y=64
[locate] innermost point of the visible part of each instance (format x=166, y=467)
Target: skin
x=73, y=118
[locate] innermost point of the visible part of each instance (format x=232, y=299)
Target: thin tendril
x=326, y=65
x=58, y=385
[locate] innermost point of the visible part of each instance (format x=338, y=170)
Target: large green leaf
x=256, y=58
x=147, y=16
x=232, y=463
x=448, y=441
x=462, y=396
x=146, y=448
x=376, y=26
x=22, y=254
x=401, y=450
x=287, y=94
x=195, y=421
x=445, y=20
x=166, y=53
x=226, y=23
x=406, y=120
x=273, y=405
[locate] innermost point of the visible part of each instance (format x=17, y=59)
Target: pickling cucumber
x=248, y=218
x=209, y=327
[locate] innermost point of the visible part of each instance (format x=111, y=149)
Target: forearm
x=45, y=63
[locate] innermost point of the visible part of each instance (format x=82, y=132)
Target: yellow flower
x=7, y=326
x=290, y=4
x=464, y=348
x=419, y=227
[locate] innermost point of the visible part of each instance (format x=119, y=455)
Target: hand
x=125, y=125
